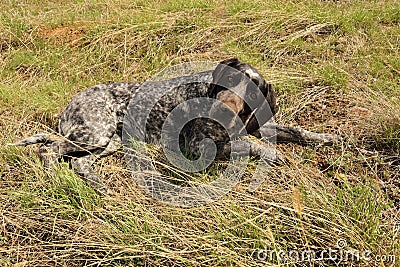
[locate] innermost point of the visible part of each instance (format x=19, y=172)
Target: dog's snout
x=231, y=100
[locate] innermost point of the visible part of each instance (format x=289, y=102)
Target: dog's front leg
x=246, y=147
x=276, y=133
x=266, y=153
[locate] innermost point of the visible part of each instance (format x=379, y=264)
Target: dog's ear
x=271, y=98
x=230, y=62
x=268, y=108
x=219, y=72
x=270, y=95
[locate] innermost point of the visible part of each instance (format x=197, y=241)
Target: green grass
x=336, y=68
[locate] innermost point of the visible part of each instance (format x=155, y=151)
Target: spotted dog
x=91, y=125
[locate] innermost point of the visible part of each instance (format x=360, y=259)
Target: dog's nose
x=232, y=106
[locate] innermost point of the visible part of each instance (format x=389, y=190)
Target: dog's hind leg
x=82, y=156
x=48, y=154
x=84, y=167
x=113, y=145
x=53, y=150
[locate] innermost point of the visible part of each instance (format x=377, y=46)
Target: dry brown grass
x=335, y=67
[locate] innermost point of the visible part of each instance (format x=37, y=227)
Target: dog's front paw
x=270, y=155
x=330, y=139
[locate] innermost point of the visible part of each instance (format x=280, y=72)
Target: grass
x=336, y=68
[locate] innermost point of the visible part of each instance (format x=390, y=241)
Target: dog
x=91, y=125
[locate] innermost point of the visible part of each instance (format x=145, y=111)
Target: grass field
x=336, y=67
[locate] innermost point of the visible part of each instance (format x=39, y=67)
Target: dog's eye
x=253, y=96
x=232, y=80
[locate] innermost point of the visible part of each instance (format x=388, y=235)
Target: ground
x=336, y=68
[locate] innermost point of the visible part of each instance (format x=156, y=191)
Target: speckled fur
x=91, y=123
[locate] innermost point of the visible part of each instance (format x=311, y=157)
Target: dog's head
x=245, y=92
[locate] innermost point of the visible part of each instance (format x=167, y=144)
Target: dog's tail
x=35, y=139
